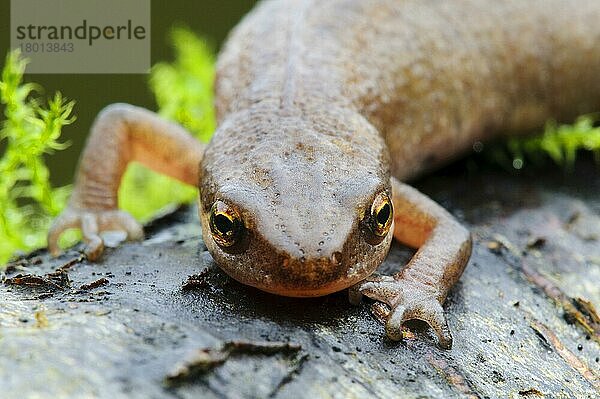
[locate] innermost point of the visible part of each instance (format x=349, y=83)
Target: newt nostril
x=336, y=258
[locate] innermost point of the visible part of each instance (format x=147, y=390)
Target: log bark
x=157, y=319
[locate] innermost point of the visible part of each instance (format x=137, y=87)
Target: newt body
x=324, y=107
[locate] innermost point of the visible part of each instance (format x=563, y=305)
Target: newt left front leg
x=419, y=289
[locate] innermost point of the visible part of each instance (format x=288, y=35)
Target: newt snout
x=280, y=264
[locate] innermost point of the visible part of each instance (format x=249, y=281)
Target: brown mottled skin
x=323, y=108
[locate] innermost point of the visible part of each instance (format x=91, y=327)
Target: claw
x=67, y=220
x=393, y=326
x=382, y=291
x=119, y=220
x=89, y=228
x=94, y=248
x=409, y=301
x=434, y=315
x=371, y=287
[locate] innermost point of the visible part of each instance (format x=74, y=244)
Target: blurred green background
x=211, y=19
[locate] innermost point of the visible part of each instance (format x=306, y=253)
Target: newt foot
x=92, y=223
x=407, y=300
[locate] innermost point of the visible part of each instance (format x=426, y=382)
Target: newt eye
x=225, y=224
x=382, y=214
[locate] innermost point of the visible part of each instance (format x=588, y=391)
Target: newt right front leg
x=421, y=287
x=122, y=133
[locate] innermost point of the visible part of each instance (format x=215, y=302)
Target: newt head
x=293, y=210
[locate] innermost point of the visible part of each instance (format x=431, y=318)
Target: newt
x=325, y=110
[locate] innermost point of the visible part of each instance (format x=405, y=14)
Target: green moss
x=30, y=130
x=183, y=92
x=558, y=143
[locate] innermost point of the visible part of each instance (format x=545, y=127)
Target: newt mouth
x=298, y=292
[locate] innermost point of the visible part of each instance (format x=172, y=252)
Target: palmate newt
x=323, y=108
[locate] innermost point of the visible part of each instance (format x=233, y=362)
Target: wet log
x=157, y=319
